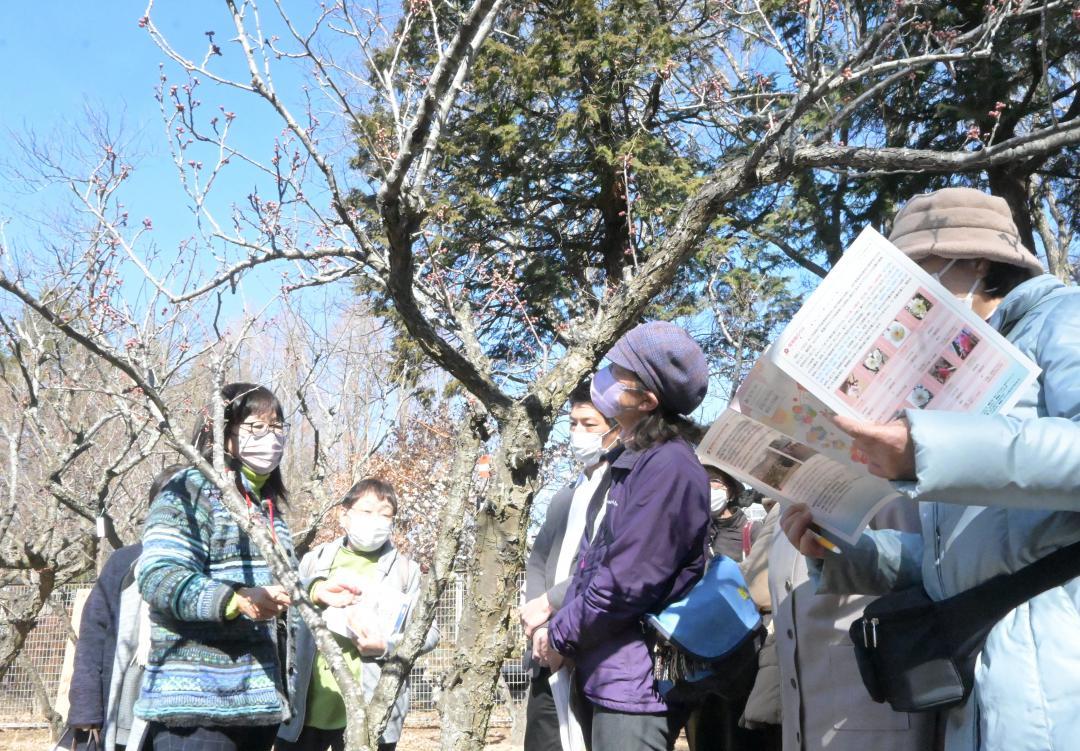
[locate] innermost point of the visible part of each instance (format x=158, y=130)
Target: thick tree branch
x=475, y=27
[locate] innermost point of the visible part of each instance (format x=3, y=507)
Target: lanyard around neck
x=270, y=511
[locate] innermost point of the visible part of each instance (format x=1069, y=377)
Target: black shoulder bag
x=919, y=655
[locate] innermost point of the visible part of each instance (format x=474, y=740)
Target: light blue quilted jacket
x=1023, y=470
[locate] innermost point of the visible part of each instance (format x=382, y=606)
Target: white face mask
x=368, y=532
x=587, y=447
x=718, y=500
x=261, y=455
x=969, y=298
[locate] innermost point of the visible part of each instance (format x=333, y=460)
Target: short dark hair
x=382, y=490
x=715, y=473
x=582, y=393
x=163, y=477
x=1003, y=278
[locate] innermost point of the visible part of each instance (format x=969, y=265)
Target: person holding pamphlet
x=649, y=549
x=999, y=490
x=879, y=336
x=368, y=589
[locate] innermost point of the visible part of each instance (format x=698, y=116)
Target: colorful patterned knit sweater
x=204, y=669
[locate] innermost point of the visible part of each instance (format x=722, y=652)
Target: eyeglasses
x=258, y=428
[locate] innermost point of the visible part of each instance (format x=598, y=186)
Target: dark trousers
x=316, y=739
x=621, y=731
x=714, y=726
x=541, y=718
x=163, y=738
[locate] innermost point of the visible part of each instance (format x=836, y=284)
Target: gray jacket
x=824, y=703
x=544, y=557
x=396, y=570
x=126, y=673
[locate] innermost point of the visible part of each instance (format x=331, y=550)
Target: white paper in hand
x=381, y=611
x=385, y=610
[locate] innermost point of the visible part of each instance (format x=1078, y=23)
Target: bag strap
x=93, y=739
x=596, y=503
x=747, y=537
x=999, y=595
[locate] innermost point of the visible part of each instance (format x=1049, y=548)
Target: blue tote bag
x=708, y=640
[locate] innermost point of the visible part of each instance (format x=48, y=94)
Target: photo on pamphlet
x=851, y=386
x=918, y=306
x=896, y=333
x=797, y=451
x=775, y=469
x=964, y=343
x=876, y=360
x=920, y=396
x=942, y=370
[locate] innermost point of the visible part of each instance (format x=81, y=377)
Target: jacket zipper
x=937, y=551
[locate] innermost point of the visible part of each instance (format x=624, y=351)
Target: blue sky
x=61, y=59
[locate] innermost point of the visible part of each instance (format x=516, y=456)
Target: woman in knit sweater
x=213, y=674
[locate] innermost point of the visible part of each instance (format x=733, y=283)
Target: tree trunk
x=1015, y=188
x=485, y=634
x=22, y=618
x=1057, y=252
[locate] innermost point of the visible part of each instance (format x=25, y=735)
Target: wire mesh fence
x=44, y=654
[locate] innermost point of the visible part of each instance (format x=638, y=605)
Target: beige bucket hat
x=961, y=223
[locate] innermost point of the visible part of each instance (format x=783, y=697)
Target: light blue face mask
x=969, y=298
x=605, y=392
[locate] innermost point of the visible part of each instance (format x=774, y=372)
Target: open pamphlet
x=878, y=336
x=382, y=611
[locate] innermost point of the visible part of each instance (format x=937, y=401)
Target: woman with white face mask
x=213, y=601
x=714, y=722
x=573, y=513
x=996, y=492
x=732, y=532
x=362, y=573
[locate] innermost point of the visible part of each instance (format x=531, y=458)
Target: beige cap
x=961, y=223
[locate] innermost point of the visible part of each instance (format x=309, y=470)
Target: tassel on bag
x=673, y=665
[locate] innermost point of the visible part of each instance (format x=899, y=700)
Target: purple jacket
x=649, y=550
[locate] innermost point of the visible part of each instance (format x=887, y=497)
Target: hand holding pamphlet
x=381, y=609
x=878, y=336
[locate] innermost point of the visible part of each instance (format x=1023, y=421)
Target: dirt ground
x=413, y=739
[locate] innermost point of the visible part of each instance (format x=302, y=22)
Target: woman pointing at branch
x=649, y=548
x=998, y=492
x=213, y=672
